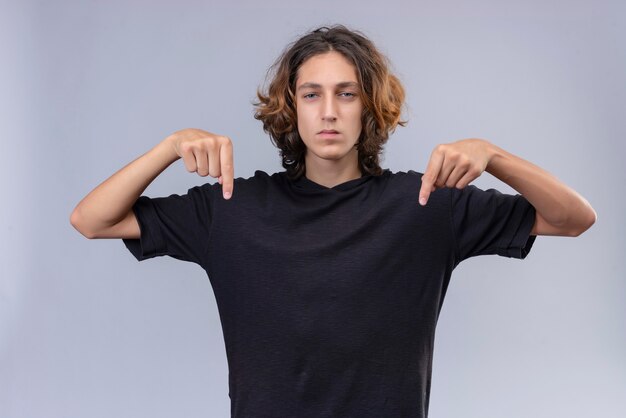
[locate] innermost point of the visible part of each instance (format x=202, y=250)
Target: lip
x=328, y=133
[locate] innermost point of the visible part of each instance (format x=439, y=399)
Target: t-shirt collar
x=304, y=183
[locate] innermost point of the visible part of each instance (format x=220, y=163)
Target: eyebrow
x=317, y=86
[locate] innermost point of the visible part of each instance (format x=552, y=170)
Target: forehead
x=328, y=68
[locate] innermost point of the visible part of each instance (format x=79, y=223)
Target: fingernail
x=227, y=195
x=422, y=201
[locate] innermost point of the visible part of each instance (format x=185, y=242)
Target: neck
x=330, y=173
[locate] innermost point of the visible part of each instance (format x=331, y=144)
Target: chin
x=331, y=151
x=332, y=154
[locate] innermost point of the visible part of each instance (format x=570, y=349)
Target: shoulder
x=403, y=176
x=255, y=187
x=409, y=183
x=213, y=190
x=259, y=179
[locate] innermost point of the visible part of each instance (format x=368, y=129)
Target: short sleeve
x=490, y=222
x=177, y=225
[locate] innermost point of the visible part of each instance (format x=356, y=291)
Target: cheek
x=357, y=117
x=302, y=125
x=303, y=119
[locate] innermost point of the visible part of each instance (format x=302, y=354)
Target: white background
x=86, y=87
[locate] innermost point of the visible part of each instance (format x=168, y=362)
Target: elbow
x=571, y=225
x=76, y=222
x=587, y=220
x=590, y=218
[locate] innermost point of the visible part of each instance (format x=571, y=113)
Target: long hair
x=382, y=93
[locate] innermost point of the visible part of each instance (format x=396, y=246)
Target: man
x=329, y=277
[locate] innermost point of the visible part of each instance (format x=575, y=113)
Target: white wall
x=86, y=87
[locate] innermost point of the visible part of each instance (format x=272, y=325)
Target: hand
x=207, y=154
x=454, y=165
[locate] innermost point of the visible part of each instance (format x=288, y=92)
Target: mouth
x=328, y=132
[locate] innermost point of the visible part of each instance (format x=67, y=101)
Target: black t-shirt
x=329, y=297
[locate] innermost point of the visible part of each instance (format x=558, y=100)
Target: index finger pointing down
x=430, y=176
x=227, y=169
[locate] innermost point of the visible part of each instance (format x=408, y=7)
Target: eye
x=347, y=94
x=309, y=95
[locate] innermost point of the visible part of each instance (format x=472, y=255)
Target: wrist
x=495, y=157
x=167, y=148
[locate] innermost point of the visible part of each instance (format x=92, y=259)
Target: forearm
x=110, y=202
x=555, y=202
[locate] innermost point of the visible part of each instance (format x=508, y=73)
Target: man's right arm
x=106, y=212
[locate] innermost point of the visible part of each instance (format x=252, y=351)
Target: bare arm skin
x=560, y=210
x=106, y=212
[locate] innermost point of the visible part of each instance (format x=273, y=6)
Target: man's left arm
x=560, y=210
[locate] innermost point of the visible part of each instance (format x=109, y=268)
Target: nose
x=329, y=109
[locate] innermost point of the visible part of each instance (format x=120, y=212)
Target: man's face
x=329, y=107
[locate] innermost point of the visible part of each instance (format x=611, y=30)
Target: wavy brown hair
x=382, y=93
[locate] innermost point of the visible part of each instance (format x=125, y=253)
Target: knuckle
x=428, y=177
x=205, y=149
x=185, y=146
x=474, y=172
